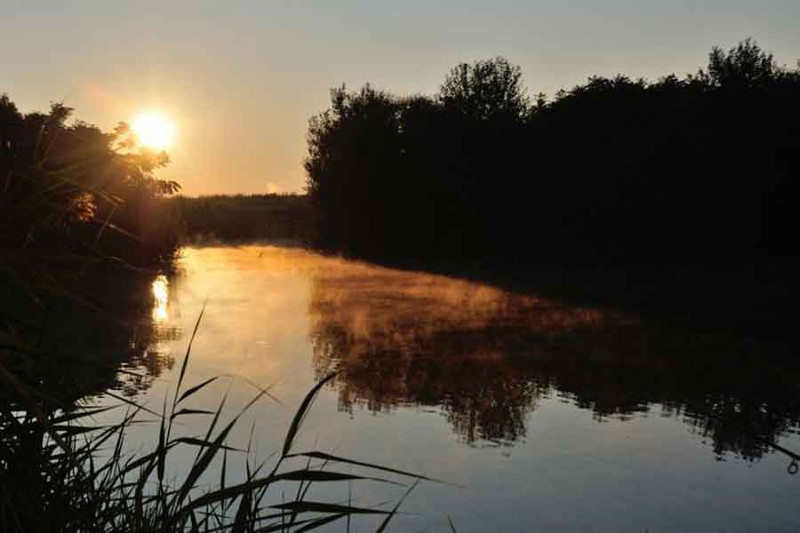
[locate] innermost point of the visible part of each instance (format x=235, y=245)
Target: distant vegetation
x=245, y=217
x=697, y=168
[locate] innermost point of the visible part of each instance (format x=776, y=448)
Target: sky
x=240, y=79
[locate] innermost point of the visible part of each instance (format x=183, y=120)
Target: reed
x=61, y=472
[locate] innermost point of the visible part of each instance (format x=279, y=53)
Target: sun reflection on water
x=160, y=291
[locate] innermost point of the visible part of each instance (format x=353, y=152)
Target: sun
x=153, y=130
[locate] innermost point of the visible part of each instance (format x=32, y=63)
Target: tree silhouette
x=485, y=89
x=744, y=66
x=70, y=187
x=698, y=170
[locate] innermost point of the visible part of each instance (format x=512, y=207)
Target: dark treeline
x=72, y=188
x=245, y=217
x=697, y=169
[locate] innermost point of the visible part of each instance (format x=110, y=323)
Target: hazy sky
x=242, y=78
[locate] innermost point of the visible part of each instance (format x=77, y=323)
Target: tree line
x=285, y=217
x=696, y=168
x=69, y=188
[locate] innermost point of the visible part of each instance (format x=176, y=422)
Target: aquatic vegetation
x=58, y=471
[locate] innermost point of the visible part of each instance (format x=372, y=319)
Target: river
x=537, y=415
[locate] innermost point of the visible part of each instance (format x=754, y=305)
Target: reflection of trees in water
x=142, y=324
x=736, y=423
x=146, y=361
x=108, y=341
x=484, y=398
x=485, y=356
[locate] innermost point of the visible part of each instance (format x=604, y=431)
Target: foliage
x=354, y=140
x=485, y=89
x=695, y=169
x=59, y=471
x=73, y=188
x=245, y=217
x=743, y=67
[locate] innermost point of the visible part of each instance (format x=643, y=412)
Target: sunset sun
x=154, y=130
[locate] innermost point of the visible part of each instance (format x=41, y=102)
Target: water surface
x=541, y=415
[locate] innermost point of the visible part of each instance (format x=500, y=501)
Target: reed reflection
x=485, y=356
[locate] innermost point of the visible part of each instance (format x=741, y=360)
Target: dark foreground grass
x=61, y=473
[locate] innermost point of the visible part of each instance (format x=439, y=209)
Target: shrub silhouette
x=69, y=187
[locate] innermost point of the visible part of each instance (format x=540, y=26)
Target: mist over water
x=545, y=414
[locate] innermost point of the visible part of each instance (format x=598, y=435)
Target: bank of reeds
x=60, y=472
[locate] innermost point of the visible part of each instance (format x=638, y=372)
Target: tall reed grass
x=62, y=472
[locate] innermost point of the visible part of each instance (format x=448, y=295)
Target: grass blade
x=316, y=524
x=242, y=514
x=297, y=421
x=323, y=507
x=186, y=357
x=234, y=491
x=196, y=388
x=192, y=412
x=450, y=523
x=329, y=457
x=389, y=516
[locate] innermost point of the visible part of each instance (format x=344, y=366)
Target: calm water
x=542, y=416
